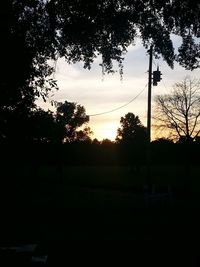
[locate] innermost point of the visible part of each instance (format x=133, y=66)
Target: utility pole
x=149, y=188
x=148, y=183
x=149, y=94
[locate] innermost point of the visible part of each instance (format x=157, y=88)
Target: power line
x=166, y=87
x=124, y=105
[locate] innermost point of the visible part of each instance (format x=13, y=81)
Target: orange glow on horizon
x=107, y=131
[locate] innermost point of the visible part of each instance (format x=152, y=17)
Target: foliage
x=86, y=29
x=26, y=46
x=106, y=142
x=14, y=124
x=43, y=127
x=132, y=131
x=36, y=32
x=95, y=141
x=39, y=126
x=83, y=136
x=162, y=141
x=70, y=117
x=179, y=111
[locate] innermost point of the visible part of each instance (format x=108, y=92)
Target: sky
x=98, y=93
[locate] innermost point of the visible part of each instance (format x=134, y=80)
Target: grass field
x=96, y=184
x=99, y=202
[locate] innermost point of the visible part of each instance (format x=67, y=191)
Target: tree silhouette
x=27, y=46
x=40, y=126
x=163, y=141
x=106, y=142
x=69, y=117
x=132, y=131
x=43, y=127
x=108, y=27
x=179, y=111
x=35, y=32
x=83, y=136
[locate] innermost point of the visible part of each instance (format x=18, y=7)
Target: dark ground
x=62, y=216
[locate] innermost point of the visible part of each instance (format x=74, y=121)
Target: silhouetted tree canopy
x=70, y=117
x=36, y=32
x=40, y=126
x=83, y=136
x=162, y=141
x=43, y=127
x=107, y=142
x=179, y=111
x=79, y=30
x=84, y=29
x=132, y=131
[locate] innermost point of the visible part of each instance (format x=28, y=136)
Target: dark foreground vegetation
x=99, y=192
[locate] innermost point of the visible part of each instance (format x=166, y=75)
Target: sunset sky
x=101, y=94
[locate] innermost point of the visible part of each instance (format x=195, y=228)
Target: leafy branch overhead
x=83, y=29
x=36, y=32
x=79, y=30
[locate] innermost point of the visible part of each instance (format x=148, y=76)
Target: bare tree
x=179, y=111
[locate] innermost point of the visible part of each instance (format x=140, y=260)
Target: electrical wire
x=124, y=105
x=166, y=87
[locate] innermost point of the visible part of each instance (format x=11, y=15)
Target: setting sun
x=107, y=131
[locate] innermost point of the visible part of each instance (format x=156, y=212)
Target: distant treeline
x=100, y=154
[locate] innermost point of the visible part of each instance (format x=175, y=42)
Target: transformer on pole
x=156, y=77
